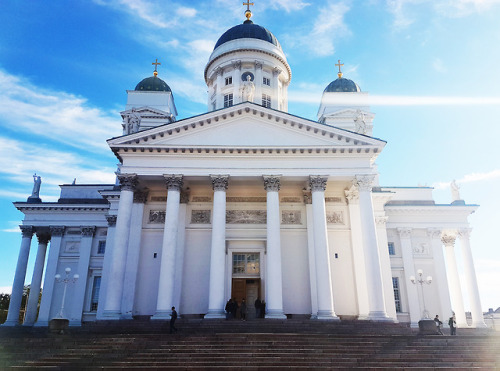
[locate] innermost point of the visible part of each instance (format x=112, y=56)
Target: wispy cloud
x=56, y=115
x=288, y=5
x=463, y=8
x=470, y=178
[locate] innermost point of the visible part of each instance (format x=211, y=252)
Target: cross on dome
x=248, y=12
x=339, y=65
x=156, y=64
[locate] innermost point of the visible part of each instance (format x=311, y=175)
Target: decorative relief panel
x=335, y=217
x=200, y=216
x=333, y=199
x=158, y=199
x=202, y=199
x=72, y=247
x=421, y=249
x=291, y=217
x=156, y=217
x=246, y=217
x=291, y=199
x=246, y=199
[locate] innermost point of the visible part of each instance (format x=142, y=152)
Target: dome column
x=219, y=99
x=258, y=83
x=275, y=86
x=236, y=81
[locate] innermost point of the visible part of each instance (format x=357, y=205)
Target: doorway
x=248, y=289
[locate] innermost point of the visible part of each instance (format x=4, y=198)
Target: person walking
x=453, y=325
x=173, y=317
x=438, y=325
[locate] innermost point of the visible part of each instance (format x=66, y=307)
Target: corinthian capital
x=56, y=230
x=464, y=233
x=140, y=197
x=317, y=182
x=448, y=240
x=219, y=182
x=272, y=183
x=404, y=232
x=434, y=233
x=352, y=194
x=364, y=182
x=87, y=231
x=173, y=182
x=128, y=182
x=27, y=230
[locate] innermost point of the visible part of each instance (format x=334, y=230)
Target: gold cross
x=248, y=3
x=156, y=63
x=339, y=65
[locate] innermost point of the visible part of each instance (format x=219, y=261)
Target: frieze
x=156, y=217
x=335, y=217
x=202, y=199
x=200, y=216
x=72, y=247
x=291, y=199
x=333, y=199
x=158, y=199
x=246, y=217
x=421, y=249
x=246, y=199
x=291, y=217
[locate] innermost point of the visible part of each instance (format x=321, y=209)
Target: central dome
x=247, y=30
x=152, y=83
x=342, y=85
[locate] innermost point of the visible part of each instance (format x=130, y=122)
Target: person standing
x=173, y=317
x=453, y=325
x=257, y=305
x=243, y=310
x=438, y=325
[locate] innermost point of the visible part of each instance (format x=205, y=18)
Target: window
x=397, y=294
x=95, y=293
x=228, y=100
x=266, y=81
x=101, y=248
x=246, y=264
x=229, y=80
x=390, y=245
x=266, y=100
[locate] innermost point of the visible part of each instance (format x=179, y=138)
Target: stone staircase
x=251, y=345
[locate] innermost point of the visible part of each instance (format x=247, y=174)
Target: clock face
x=245, y=74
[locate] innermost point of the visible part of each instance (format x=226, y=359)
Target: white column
x=134, y=247
x=385, y=264
x=219, y=98
x=321, y=250
x=216, y=298
x=440, y=274
x=56, y=233
x=112, y=305
x=311, y=257
x=471, y=280
x=372, y=259
x=236, y=81
x=258, y=83
x=274, y=279
x=168, y=252
x=457, y=301
x=106, y=265
x=409, y=270
x=80, y=286
x=275, y=98
x=36, y=280
x=18, y=284
x=352, y=196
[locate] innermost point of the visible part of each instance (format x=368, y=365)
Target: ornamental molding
x=364, y=182
x=464, y=233
x=404, y=232
x=87, y=231
x=272, y=183
x=200, y=217
x=236, y=65
x=434, y=233
x=219, y=182
x=185, y=193
x=317, y=183
x=56, y=231
x=291, y=217
x=140, y=197
x=291, y=200
x=421, y=249
x=201, y=199
x=335, y=217
x=174, y=182
x=381, y=220
x=27, y=231
x=111, y=220
x=128, y=182
x=352, y=195
x=246, y=217
x=307, y=196
x=448, y=240
x=60, y=207
x=246, y=199
x=156, y=217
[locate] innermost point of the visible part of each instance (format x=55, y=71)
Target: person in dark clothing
x=229, y=309
x=234, y=308
x=243, y=310
x=173, y=317
x=257, y=306
x=263, y=309
x=453, y=325
x=438, y=325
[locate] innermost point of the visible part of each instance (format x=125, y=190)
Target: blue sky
x=430, y=66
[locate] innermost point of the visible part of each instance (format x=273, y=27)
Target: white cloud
x=289, y=5
x=5, y=289
x=56, y=115
x=470, y=178
x=463, y=8
x=186, y=12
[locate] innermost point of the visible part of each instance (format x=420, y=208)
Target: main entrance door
x=248, y=289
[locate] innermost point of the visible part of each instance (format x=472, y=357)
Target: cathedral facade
x=246, y=201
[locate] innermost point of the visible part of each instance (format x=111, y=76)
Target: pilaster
x=409, y=271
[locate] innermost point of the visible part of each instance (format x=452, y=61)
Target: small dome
x=342, y=85
x=153, y=83
x=247, y=30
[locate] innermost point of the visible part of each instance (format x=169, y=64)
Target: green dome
x=152, y=83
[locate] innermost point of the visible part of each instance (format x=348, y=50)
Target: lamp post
x=426, y=324
x=65, y=281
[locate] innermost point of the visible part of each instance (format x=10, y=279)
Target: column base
x=110, y=315
x=75, y=323
x=11, y=323
x=162, y=315
x=127, y=316
x=327, y=315
x=275, y=314
x=41, y=323
x=30, y=324
x=215, y=314
x=379, y=316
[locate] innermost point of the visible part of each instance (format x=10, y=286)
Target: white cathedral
x=246, y=201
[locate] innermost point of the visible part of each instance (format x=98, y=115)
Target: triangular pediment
x=146, y=112
x=246, y=125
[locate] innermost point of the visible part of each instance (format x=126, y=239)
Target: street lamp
x=65, y=280
x=420, y=280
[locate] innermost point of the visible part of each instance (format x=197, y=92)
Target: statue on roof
x=247, y=90
x=35, y=193
x=131, y=122
x=360, y=122
x=455, y=191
